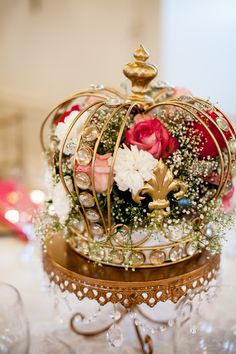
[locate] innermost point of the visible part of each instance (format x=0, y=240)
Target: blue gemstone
x=184, y=202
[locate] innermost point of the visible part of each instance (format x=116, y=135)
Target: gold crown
x=93, y=231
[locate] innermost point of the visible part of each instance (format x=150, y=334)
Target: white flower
x=61, y=202
x=132, y=168
x=62, y=128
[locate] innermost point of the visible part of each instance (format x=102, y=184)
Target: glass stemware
x=14, y=332
x=210, y=326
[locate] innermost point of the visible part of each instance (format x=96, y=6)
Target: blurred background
x=50, y=49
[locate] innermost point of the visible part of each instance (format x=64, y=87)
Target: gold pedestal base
x=73, y=273
x=106, y=284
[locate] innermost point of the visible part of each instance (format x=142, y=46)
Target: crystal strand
x=93, y=317
x=146, y=329
x=115, y=336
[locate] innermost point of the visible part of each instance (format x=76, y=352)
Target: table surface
x=21, y=266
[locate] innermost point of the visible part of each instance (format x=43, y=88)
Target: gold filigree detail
x=76, y=275
x=158, y=188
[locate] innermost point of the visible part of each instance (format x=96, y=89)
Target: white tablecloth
x=20, y=265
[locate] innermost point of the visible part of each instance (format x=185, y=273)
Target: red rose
x=208, y=147
x=151, y=136
x=66, y=114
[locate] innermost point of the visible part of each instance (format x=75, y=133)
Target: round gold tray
x=77, y=275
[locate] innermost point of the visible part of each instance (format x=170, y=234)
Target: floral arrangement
x=132, y=186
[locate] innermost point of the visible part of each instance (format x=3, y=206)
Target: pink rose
x=181, y=91
x=101, y=172
x=151, y=136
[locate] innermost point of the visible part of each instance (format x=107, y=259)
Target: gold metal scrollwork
x=158, y=187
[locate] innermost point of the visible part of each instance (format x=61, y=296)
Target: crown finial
x=140, y=54
x=140, y=74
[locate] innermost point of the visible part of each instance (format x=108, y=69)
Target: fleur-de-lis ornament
x=158, y=188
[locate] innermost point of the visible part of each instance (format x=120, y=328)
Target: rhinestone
x=232, y=145
x=137, y=258
x=82, y=180
x=121, y=235
x=86, y=199
x=97, y=87
x=78, y=224
x=116, y=257
x=209, y=231
x=97, y=253
x=84, y=156
x=92, y=215
x=99, y=238
x=157, y=257
x=223, y=124
x=90, y=133
x=97, y=229
x=115, y=336
x=176, y=253
x=191, y=248
x=113, y=102
x=83, y=246
x=115, y=315
x=53, y=145
x=233, y=170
